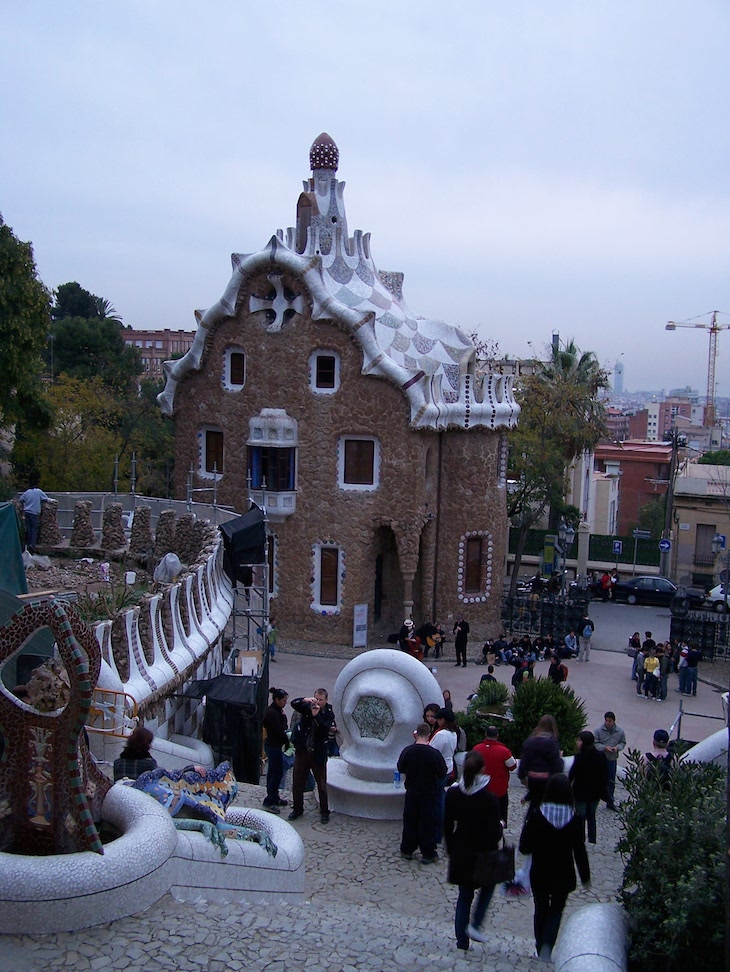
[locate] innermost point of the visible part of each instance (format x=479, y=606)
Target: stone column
x=584, y=537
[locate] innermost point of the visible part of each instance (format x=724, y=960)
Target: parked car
x=655, y=590
x=716, y=599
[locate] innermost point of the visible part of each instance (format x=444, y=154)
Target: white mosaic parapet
x=74, y=891
x=710, y=750
x=248, y=872
x=593, y=939
x=65, y=892
x=207, y=595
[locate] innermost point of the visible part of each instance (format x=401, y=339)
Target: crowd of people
x=654, y=662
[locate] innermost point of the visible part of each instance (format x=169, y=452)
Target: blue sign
x=665, y=545
x=618, y=546
x=720, y=539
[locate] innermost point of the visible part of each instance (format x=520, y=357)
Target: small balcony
x=277, y=506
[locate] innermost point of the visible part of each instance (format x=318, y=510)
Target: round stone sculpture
x=379, y=699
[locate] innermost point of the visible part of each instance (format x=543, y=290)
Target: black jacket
x=588, y=776
x=275, y=723
x=471, y=824
x=540, y=758
x=555, y=853
x=312, y=733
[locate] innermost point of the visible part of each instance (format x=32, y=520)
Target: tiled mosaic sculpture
x=50, y=788
x=318, y=263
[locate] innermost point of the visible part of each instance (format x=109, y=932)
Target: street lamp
x=566, y=535
x=719, y=547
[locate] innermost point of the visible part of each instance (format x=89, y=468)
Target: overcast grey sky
x=531, y=166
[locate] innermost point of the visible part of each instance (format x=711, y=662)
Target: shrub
x=493, y=696
x=537, y=697
x=673, y=846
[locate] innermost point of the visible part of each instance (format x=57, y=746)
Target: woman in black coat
x=588, y=776
x=540, y=758
x=553, y=834
x=471, y=824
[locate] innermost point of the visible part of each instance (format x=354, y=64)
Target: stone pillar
x=165, y=535
x=50, y=535
x=83, y=534
x=584, y=538
x=141, y=540
x=112, y=531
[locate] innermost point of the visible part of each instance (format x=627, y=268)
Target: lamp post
x=719, y=546
x=566, y=535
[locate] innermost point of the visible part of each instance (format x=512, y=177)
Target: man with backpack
x=587, y=627
x=659, y=761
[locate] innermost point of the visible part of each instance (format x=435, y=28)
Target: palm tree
x=106, y=310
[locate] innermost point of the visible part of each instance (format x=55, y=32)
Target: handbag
x=494, y=867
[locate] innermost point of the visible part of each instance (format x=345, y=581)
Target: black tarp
x=12, y=572
x=244, y=544
x=232, y=722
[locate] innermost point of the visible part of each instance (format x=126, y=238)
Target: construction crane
x=714, y=328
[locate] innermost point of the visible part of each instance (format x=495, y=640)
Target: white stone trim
x=469, y=597
x=314, y=603
x=323, y=353
x=358, y=487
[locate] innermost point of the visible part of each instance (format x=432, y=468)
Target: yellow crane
x=714, y=328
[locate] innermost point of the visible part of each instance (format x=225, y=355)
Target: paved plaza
x=365, y=908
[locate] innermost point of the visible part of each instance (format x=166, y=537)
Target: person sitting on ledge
x=135, y=758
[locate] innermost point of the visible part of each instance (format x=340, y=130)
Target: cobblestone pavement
x=365, y=909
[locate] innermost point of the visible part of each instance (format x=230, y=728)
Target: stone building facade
x=376, y=449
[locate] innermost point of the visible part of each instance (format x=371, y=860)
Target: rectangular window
x=237, y=367
x=704, y=557
x=326, y=366
x=329, y=567
x=473, y=566
x=274, y=467
x=359, y=462
x=214, y=451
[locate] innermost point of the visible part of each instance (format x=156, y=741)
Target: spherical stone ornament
x=379, y=698
x=324, y=154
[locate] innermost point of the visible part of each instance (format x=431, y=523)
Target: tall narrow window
x=328, y=575
x=325, y=371
x=473, y=566
x=214, y=451
x=238, y=367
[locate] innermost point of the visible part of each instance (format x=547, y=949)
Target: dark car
x=654, y=590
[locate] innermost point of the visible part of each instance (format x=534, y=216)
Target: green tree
x=651, y=517
x=73, y=301
x=721, y=457
x=562, y=417
x=88, y=339
x=24, y=325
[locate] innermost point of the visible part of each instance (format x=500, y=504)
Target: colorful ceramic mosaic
x=50, y=789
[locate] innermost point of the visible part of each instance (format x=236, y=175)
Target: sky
x=531, y=167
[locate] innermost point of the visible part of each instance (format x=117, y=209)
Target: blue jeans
x=274, y=773
x=463, y=911
x=611, y=765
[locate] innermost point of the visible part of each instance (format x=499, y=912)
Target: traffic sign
x=642, y=535
x=665, y=545
x=720, y=539
x=618, y=546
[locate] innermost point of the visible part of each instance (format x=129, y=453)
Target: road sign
x=642, y=535
x=618, y=546
x=720, y=539
x=665, y=545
